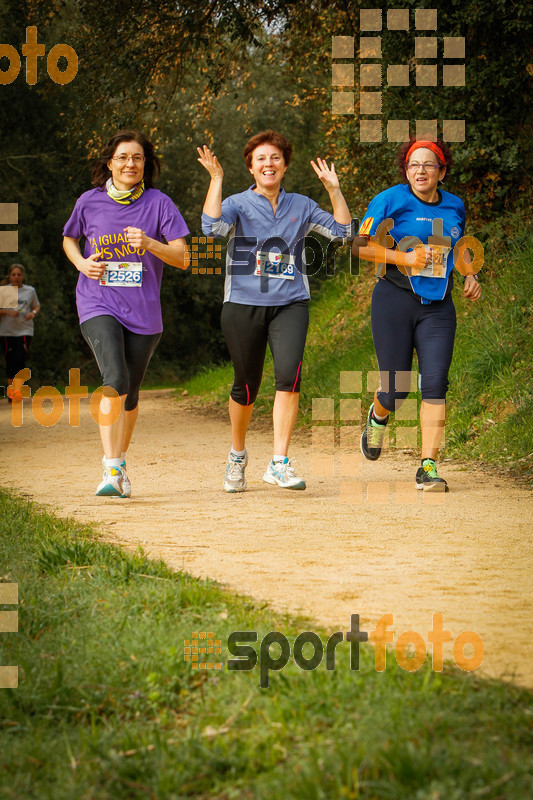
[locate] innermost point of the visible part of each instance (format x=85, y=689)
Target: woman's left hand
x=137, y=238
x=30, y=315
x=327, y=175
x=472, y=289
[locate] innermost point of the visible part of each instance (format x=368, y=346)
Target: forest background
x=190, y=73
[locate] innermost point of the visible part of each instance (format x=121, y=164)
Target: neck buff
x=124, y=198
x=431, y=146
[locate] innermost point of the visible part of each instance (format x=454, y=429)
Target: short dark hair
x=404, y=149
x=152, y=167
x=267, y=137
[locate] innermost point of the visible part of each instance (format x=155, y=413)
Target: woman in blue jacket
x=412, y=307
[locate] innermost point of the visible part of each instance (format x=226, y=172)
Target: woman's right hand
x=209, y=160
x=11, y=312
x=91, y=267
x=415, y=260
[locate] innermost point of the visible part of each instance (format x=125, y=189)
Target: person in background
x=16, y=326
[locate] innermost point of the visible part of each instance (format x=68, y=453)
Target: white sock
x=113, y=462
x=278, y=458
x=238, y=453
x=379, y=419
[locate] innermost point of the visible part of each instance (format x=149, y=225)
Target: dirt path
x=367, y=544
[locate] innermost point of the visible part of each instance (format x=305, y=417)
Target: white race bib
x=275, y=265
x=437, y=267
x=122, y=273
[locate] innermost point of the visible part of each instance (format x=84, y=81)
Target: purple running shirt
x=101, y=220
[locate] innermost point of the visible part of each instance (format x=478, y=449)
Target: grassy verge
x=490, y=402
x=107, y=707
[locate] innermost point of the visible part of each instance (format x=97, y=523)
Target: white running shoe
x=282, y=473
x=126, y=485
x=112, y=482
x=234, y=480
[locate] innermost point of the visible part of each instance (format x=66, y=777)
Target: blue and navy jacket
x=415, y=218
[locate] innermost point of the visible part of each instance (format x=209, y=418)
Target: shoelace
x=119, y=472
x=431, y=469
x=237, y=467
x=376, y=435
x=288, y=468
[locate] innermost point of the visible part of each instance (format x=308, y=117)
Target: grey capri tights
x=122, y=356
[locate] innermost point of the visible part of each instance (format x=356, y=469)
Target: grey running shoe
x=234, y=480
x=372, y=437
x=427, y=478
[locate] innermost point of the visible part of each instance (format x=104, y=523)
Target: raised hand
x=209, y=160
x=327, y=175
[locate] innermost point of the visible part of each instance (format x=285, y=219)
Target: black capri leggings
x=15, y=349
x=122, y=356
x=247, y=329
x=400, y=325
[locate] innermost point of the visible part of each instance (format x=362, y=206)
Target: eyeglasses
x=431, y=167
x=137, y=160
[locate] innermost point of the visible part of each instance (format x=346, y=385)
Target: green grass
x=490, y=402
x=107, y=708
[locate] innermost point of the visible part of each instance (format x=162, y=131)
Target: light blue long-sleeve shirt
x=252, y=225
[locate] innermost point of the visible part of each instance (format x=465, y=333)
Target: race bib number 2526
x=122, y=274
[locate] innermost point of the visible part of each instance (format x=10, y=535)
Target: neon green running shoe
x=427, y=478
x=372, y=437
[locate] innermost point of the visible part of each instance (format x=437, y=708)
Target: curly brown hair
x=405, y=147
x=267, y=137
x=152, y=166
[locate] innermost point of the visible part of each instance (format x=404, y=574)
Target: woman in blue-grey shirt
x=266, y=289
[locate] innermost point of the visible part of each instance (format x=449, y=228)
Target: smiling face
x=424, y=179
x=16, y=277
x=268, y=167
x=127, y=165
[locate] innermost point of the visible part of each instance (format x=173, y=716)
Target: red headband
x=431, y=146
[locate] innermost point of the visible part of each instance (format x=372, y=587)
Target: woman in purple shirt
x=130, y=230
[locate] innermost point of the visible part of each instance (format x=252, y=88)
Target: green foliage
x=217, y=73
x=491, y=387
